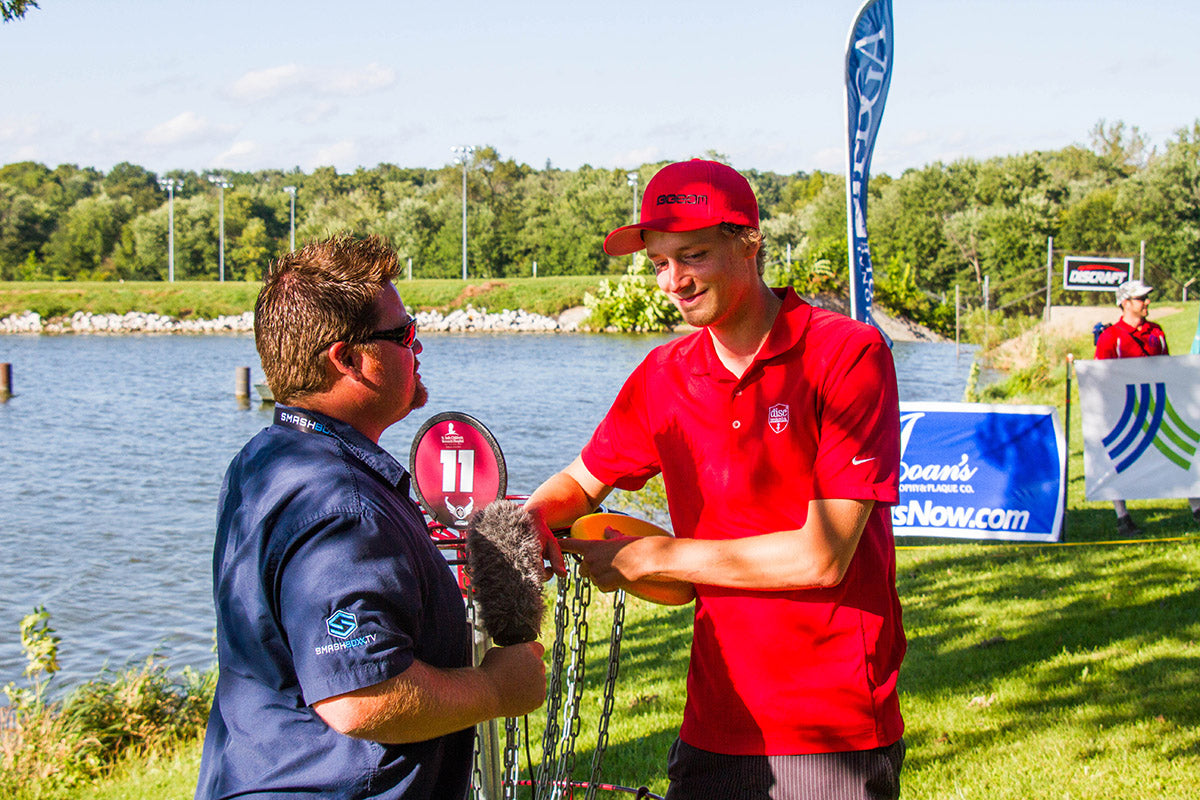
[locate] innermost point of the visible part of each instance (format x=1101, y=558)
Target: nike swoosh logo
x=856, y=461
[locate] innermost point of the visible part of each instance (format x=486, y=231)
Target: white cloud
x=638, y=156
x=26, y=152
x=19, y=128
x=339, y=154
x=275, y=82
x=262, y=84
x=244, y=153
x=184, y=128
x=316, y=112
x=370, y=78
x=830, y=159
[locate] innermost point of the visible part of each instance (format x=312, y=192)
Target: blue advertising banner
x=978, y=471
x=868, y=76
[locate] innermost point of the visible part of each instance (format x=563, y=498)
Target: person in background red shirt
x=775, y=427
x=1134, y=336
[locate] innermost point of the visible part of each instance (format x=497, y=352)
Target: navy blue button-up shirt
x=325, y=581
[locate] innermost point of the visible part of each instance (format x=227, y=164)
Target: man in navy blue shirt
x=342, y=640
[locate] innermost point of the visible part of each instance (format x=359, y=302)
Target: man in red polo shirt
x=776, y=430
x=1134, y=336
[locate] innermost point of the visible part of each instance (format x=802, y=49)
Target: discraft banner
x=978, y=471
x=1092, y=274
x=1141, y=427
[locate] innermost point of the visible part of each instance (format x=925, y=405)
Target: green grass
x=169, y=774
x=1040, y=671
x=1033, y=671
x=207, y=300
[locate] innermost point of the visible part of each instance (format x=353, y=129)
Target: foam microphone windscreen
x=504, y=560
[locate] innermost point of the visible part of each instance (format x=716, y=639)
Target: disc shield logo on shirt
x=778, y=416
x=341, y=624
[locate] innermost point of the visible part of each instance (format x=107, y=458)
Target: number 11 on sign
x=458, y=471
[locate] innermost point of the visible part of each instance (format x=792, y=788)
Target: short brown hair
x=323, y=293
x=750, y=237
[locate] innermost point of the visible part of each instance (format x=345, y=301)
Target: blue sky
x=253, y=84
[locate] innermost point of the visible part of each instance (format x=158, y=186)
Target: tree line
x=932, y=228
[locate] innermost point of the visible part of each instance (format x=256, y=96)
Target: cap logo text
x=682, y=199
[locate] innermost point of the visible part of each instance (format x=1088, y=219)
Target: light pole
x=632, y=179
x=221, y=184
x=464, y=153
x=170, y=184
x=292, y=191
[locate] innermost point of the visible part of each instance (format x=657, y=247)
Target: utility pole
x=221, y=184
x=170, y=184
x=464, y=153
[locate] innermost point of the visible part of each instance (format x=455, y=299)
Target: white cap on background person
x=1132, y=289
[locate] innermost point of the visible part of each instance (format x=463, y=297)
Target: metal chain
x=558, y=656
x=575, y=676
x=476, y=772
x=610, y=683
x=477, y=782
x=512, y=758
x=558, y=739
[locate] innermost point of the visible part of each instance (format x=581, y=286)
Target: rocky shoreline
x=459, y=320
x=463, y=320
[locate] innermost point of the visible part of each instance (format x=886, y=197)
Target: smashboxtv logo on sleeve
x=340, y=625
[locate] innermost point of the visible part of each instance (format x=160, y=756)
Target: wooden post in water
x=242, y=386
x=5, y=381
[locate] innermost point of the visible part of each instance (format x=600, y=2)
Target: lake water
x=113, y=449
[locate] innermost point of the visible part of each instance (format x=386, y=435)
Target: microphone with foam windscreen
x=504, y=561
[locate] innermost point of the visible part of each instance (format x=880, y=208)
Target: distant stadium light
x=464, y=153
x=292, y=191
x=221, y=184
x=170, y=184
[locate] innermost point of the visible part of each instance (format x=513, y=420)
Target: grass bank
x=208, y=300
x=1033, y=671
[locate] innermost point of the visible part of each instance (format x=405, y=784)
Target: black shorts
x=857, y=775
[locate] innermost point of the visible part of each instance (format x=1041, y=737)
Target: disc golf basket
x=457, y=469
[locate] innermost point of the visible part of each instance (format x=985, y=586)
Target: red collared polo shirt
x=815, y=416
x=1122, y=340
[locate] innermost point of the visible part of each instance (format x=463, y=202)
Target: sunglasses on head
x=404, y=335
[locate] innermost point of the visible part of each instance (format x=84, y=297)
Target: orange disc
x=592, y=526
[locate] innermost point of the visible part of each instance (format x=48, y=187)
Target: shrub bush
x=633, y=304
x=47, y=747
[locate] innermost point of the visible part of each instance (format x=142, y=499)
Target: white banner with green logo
x=1141, y=427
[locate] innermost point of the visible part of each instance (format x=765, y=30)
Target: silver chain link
x=512, y=758
x=558, y=657
x=558, y=739
x=610, y=684
x=563, y=724
x=477, y=782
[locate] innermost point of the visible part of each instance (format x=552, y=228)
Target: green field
x=1032, y=672
x=207, y=300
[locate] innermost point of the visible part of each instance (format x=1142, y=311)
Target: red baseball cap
x=688, y=196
